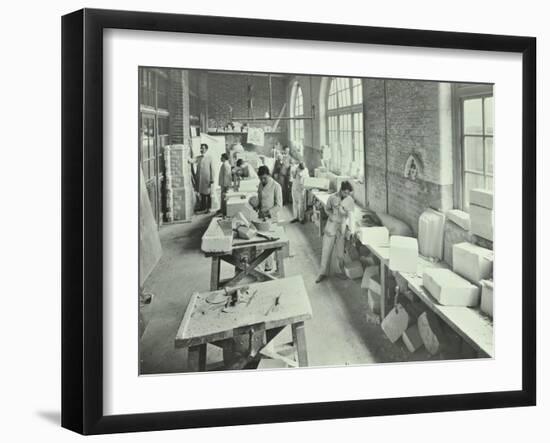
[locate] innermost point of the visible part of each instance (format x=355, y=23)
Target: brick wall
x=178, y=106
x=180, y=194
x=404, y=118
x=225, y=90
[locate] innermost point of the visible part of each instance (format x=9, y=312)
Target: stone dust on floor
x=337, y=335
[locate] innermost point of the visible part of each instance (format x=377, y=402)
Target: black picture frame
x=82, y=220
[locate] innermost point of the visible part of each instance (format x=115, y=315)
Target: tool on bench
x=275, y=304
x=266, y=236
x=251, y=297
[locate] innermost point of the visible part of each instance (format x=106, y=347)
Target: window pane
x=473, y=122
x=357, y=94
x=488, y=111
x=471, y=181
x=473, y=154
x=489, y=154
x=299, y=102
x=489, y=183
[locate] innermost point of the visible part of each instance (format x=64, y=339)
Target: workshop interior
x=292, y=220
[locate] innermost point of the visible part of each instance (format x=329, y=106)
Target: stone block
x=450, y=289
x=403, y=254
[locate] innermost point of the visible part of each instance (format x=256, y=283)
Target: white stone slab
x=430, y=233
x=403, y=254
x=215, y=240
x=460, y=218
x=481, y=222
x=486, y=304
x=370, y=271
x=481, y=197
x=353, y=270
x=412, y=339
x=316, y=183
x=237, y=204
x=395, y=323
x=249, y=185
x=450, y=289
x=472, y=262
x=373, y=301
x=374, y=236
x=430, y=332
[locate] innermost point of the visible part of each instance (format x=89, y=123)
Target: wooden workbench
x=204, y=322
x=469, y=323
x=279, y=247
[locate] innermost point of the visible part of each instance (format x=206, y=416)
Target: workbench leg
x=383, y=297
x=196, y=360
x=299, y=339
x=280, y=263
x=215, y=274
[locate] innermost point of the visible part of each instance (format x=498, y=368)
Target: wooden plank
x=196, y=360
x=184, y=326
x=383, y=290
x=215, y=274
x=276, y=231
x=299, y=338
x=204, y=322
x=280, y=263
x=261, y=275
x=251, y=267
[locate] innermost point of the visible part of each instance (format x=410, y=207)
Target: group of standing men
x=287, y=172
x=275, y=191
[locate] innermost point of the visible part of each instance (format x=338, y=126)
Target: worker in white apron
x=333, y=237
x=298, y=175
x=270, y=203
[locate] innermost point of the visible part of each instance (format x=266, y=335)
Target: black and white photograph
x=293, y=220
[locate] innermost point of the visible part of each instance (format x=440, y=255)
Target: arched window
x=297, y=110
x=345, y=126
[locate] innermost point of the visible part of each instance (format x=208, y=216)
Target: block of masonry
x=412, y=339
x=374, y=284
x=316, y=183
x=374, y=235
x=459, y=218
x=353, y=269
x=373, y=301
x=370, y=271
x=395, y=323
x=450, y=289
x=403, y=254
x=472, y=262
x=249, y=185
x=430, y=233
x=481, y=197
x=238, y=204
x=481, y=222
x=430, y=332
x=216, y=240
x=486, y=304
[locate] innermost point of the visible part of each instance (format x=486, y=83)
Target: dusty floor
x=337, y=335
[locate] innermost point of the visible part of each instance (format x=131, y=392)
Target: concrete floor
x=337, y=335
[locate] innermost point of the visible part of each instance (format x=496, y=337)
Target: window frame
x=352, y=110
x=297, y=126
x=461, y=93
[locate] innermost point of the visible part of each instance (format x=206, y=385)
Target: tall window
x=298, y=125
x=477, y=145
x=345, y=126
